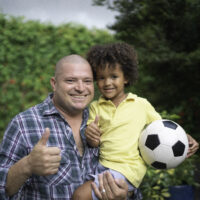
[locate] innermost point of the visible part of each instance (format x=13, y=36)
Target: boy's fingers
x=96, y=120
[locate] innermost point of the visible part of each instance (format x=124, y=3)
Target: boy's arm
x=93, y=133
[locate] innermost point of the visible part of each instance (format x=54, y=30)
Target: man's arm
x=17, y=176
x=109, y=188
x=193, y=146
x=41, y=161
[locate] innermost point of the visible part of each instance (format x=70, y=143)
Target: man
x=44, y=154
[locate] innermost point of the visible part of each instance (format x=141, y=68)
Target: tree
x=166, y=34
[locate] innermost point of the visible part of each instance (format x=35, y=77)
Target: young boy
x=117, y=116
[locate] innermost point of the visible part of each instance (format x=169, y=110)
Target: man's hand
x=109, y=188
x=44, y=160
x=93, y=133
x=193, y=146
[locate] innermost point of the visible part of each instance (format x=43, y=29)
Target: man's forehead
x=76, y=71
x=72, y=59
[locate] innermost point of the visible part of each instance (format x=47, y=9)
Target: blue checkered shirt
x=23, y=133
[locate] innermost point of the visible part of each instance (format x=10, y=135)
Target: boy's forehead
x=109, y=66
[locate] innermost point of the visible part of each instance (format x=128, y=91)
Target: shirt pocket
x=65, y=170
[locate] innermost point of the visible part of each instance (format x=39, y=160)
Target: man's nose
x=80, y=86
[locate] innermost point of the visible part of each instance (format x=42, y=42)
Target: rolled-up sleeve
x=11, y=150
x=3, y=175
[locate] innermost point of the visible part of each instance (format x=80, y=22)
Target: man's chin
x=79, y=106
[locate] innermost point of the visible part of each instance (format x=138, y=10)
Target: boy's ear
x=125, y=82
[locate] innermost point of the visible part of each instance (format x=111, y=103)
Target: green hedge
x=28, y=53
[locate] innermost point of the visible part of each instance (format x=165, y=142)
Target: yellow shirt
x=121, y=128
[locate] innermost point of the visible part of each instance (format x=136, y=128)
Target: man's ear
x=53, y=83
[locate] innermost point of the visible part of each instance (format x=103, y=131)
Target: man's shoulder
x=37, y=109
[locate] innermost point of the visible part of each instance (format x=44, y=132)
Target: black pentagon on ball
x=178, y=149
x=169, y=124
x=152, y=141
x=159, y=165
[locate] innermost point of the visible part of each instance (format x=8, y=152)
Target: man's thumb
x=96, y=120
x=45, y=137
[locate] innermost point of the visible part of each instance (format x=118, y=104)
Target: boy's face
x=111, y=83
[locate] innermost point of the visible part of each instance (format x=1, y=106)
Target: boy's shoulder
x=136, y=97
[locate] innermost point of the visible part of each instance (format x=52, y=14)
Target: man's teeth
x=80, y=96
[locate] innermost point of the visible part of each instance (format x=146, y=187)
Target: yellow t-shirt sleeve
x=152, y=115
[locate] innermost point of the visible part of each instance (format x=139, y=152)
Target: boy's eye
x=100, y=78
x=114, y=77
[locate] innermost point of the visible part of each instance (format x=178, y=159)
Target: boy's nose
x=107, y=81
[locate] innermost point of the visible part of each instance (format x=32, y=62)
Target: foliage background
x=166, y=35
x=28, y=53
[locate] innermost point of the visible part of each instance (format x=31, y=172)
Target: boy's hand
x=193, y=146
x=93, y=133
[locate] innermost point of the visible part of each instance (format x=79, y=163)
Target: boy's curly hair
x=112, y=54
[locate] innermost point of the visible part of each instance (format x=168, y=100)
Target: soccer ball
x=163, y=144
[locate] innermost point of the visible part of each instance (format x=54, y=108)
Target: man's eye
x=88, y=81
x=69, y=81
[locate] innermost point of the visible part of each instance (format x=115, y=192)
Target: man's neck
x=74, y=119
x=68, y=114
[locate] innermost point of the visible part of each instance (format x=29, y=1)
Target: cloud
x=60, y=11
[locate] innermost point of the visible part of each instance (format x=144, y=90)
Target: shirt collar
x=48, y=106
x=130, y=97
x=50, y=109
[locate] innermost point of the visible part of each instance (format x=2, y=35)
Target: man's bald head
x=71, y=59
x=73, y=87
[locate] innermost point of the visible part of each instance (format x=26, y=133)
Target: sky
x=60, y=11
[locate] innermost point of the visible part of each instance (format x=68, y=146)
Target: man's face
x=73, y=87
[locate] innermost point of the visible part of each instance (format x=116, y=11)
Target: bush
x=29, y=51
x=156, y=183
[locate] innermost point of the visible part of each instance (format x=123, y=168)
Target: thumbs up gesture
x=93, y=133
x=44, y=160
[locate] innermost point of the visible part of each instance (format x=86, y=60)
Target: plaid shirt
x=23, y=133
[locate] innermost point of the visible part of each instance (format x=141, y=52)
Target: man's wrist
x=27, y=166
